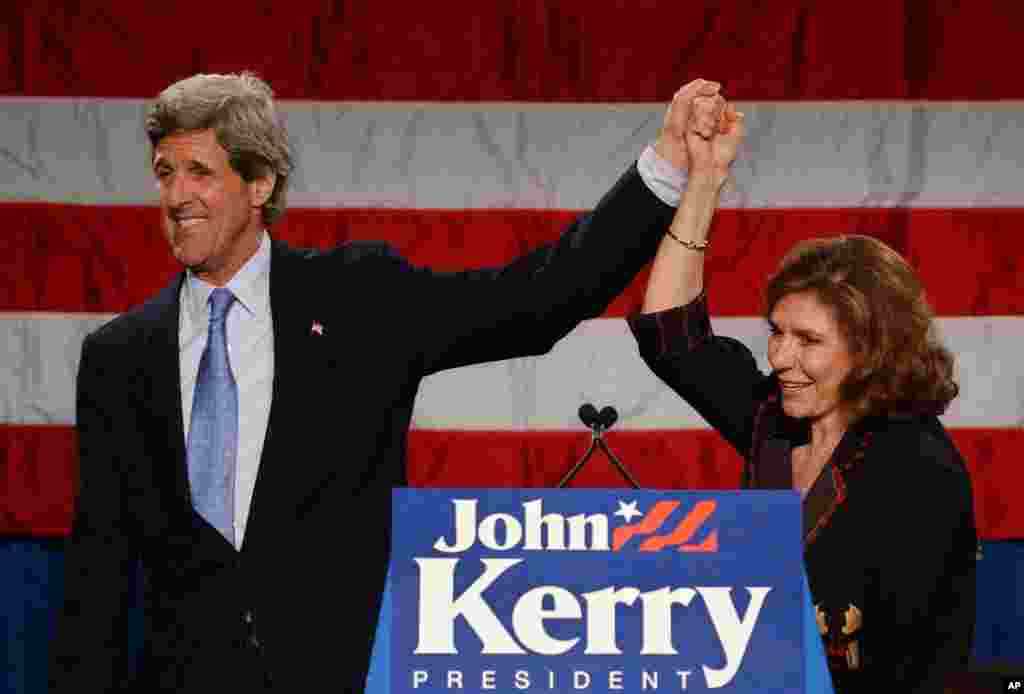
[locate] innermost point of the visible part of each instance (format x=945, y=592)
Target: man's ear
x=261, y=188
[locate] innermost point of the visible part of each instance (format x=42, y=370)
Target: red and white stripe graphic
x=466, y=134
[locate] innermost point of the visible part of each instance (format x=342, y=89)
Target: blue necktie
x=213, y=428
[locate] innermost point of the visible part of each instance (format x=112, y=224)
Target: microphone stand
x=598, y=423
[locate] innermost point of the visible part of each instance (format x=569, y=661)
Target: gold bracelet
x=692, y=245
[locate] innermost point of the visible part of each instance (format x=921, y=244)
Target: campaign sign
x=587, y=590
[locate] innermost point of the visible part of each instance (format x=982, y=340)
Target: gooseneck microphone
x=598, y=423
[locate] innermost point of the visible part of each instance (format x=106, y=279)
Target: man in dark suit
x=241, y=431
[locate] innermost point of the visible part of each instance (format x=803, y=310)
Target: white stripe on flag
x=598, y=362
x=434, y=156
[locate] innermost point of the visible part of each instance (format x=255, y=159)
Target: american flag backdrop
x=465, y=133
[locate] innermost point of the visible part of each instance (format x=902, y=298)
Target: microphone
x=589, y=415
x=608, y=416
x=594, y=419
x=598, y=423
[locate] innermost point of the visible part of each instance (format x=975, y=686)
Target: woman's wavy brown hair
x=240, y=109
x=880, y=306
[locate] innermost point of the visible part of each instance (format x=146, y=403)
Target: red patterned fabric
x=521, y=50
x=108, y=258
x=36, y=494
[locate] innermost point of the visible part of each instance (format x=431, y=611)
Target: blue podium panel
x=596, y=591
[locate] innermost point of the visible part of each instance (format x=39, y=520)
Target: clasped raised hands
x=701, y=132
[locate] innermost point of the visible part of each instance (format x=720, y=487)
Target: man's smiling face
x=211, y=215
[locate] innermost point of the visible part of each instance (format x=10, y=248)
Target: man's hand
x=671, y=142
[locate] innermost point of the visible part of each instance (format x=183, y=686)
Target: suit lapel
x=165, y=385
x=775, y=435
x=277, y=474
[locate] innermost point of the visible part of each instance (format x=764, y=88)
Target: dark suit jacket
x=295, y=610
x=888, y=526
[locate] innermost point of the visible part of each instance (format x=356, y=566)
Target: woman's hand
x=713, y=137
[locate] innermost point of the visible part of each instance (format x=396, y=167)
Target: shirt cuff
x=664, y=180
x=676, y=330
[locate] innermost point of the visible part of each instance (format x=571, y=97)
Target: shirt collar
x=250, y=285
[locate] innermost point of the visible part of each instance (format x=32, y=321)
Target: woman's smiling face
x=810, y=355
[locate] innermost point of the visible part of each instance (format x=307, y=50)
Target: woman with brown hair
x=847, y=416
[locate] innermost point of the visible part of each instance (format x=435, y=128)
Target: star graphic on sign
x=627, y=511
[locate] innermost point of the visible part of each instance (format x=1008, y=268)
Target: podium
x=590, y=590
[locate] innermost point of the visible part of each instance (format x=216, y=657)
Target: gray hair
x=239, y=108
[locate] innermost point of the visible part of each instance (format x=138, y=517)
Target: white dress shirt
x=251, y=358
x=663, y=179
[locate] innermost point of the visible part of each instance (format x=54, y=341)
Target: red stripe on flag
x=532, y=50
x=37, y=477
x=107, y=258
x=678, y=459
